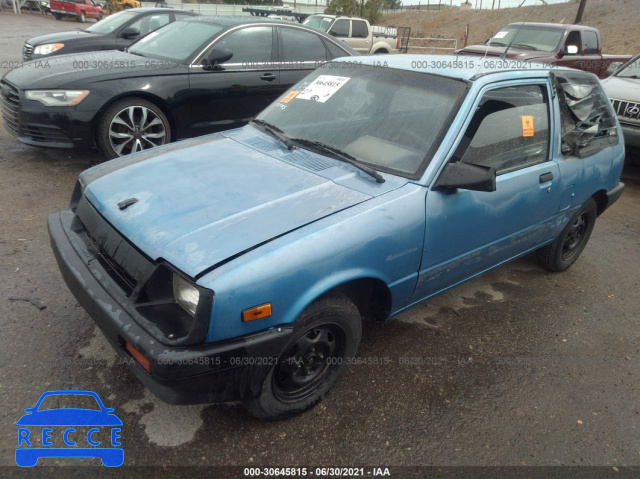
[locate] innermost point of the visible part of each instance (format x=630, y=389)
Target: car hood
x=80, y=69
x=61, y=37
x=621, y=88
x=499, y=51
x=199, y=205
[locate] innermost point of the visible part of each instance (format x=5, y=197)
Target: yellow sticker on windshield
x=290, y=96
x=527, y=126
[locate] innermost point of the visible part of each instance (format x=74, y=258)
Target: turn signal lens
x=259, y=312
x=144, y=362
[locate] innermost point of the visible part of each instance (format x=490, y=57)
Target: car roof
x=235, y=21
x=158, y=9
x=455, y=66
x=558, y=26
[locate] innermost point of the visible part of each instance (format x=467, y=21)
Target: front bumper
x=35, y=124
x=224, y=371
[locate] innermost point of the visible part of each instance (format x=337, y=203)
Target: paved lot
x=517, y=367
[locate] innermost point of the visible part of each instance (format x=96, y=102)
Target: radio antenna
x=504, y=54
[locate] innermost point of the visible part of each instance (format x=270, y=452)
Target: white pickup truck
x=360, y=35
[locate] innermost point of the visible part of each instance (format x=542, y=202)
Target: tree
x=369, y=9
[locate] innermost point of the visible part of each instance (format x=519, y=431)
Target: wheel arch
x=370, y=294
x=156, y=100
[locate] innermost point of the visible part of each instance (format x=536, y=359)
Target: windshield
x=111, y=23
x=177, y=41
x=318, y=22
x=631, y=69
x=391, y=120
x=528, y=38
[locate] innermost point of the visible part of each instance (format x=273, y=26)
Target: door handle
x=267, y=77
x=546, y=177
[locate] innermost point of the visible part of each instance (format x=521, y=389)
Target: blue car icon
x=65, y=421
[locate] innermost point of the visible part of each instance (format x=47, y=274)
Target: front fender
x=380, y=238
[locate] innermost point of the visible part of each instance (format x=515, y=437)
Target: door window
x=300, y=46
x=509, y=130
x=253, y=45
x=149, y=23
x=340, y=28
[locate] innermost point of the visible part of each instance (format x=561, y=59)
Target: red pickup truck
x=573, y=46
x=80, y=9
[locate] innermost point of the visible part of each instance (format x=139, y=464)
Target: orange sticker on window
x=527, y=126
x=290, y=96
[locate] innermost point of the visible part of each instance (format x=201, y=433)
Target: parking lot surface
x=516, y=367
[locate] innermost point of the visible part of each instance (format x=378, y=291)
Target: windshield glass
x=177, y=41
x=111, y=23
x=391, y=120
x=631, y=70
x=318, y=22
x=529, y=38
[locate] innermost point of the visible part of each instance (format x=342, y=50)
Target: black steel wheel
x=567, y=247
x=131, y=125
x=327, y=334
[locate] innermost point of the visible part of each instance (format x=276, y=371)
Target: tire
x=326, y=334
x=126, y=6
x=381, y=52
x=566, y=248
x=100, y=17
x=81, y=18
x=57, y=16
x=119, y=131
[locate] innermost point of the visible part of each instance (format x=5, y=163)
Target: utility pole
x=583, y=3
x=493, y=4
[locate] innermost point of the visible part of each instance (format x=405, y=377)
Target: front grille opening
x=124, y=280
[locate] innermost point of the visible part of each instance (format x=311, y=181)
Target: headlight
x=57, y=97
x=48, y=48
x=185, y=294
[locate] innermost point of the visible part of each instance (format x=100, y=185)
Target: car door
x=360, y=37
x=577, y=58
x=468, y=232
x=230, y=94
x=300, y=52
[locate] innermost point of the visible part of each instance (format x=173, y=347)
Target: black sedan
x=115, y=32
x=195, y=76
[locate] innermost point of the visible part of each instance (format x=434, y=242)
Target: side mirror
x=216, y=57
x=129, y=33
x=467, y=176
x=571, y=50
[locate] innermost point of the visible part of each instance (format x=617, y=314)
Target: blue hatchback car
x=69, y=419
x=240, y=265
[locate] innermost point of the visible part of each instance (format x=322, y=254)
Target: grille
x=10, y=103
x=27, y=51
x=44, y=134
x=626, y=110
x=113, y=269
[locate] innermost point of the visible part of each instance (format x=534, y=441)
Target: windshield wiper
x=275, y=131
x=339, y=155
x=523, y=45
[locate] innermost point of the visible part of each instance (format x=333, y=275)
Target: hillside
x=616, y=20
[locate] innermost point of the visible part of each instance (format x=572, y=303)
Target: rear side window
x=359, y=29
x=300, y=46
x=509, y=130
x=335, y=51
x=588, y=119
